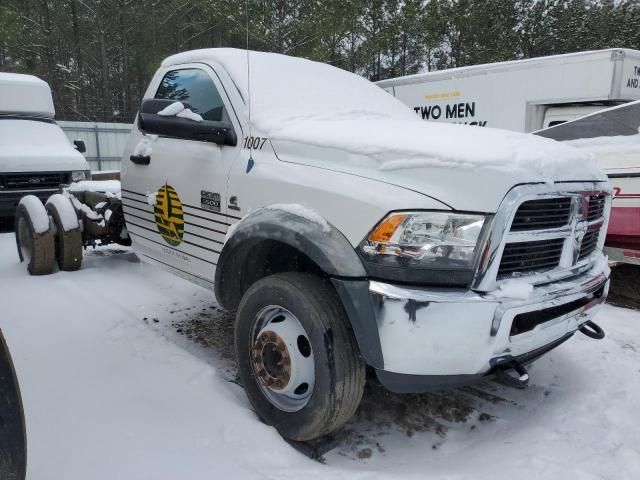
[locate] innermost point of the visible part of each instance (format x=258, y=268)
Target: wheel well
x=256, y=260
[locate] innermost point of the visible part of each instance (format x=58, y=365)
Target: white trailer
x=523, y=95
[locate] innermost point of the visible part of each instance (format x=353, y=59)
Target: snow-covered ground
x=126, y=373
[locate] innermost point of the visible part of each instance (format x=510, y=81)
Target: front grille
x=526, y=257
x=33, y=181
x=542, y=214
x=537, y=237
x=589, y=243
x=596, y=207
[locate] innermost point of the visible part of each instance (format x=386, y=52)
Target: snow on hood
x=408, y=144
x=317, y=114
x=467, y=168
x=30, y=146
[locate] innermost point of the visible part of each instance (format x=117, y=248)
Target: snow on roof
x=287, y=89
x=25, y=94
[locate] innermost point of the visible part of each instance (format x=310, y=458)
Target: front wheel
x=297, y=359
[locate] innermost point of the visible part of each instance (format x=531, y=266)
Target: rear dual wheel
x=46, y=235
x=297, y=359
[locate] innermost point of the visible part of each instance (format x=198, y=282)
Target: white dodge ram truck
x=348, y=233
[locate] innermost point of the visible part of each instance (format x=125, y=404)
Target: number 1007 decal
x=254, y=143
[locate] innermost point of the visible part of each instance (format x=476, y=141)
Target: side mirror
x=221, y=133
x=80, y=146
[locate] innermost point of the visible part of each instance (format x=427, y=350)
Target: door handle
x=140, y=159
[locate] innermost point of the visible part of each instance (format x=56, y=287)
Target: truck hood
x=465, y=168
x=36, y=146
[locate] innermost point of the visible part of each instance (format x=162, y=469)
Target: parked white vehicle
x=523, y=95
x=35, y=155
x=346, y=232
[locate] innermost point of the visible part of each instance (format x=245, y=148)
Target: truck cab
x=347, y=234
x=35, y=155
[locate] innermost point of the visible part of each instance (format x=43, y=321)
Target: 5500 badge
x=210, y=201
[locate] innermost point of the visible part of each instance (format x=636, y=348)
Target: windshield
x=26, y=133
x=288, y=89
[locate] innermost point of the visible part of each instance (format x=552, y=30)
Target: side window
x=557, y=122
x=195, y=89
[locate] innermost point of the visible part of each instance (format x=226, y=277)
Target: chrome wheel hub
x=282, y=358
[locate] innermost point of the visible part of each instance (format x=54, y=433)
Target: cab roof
x=25, y=95
x=286, y=89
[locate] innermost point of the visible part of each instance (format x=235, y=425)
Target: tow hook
x=592, y=330
x=521, y=381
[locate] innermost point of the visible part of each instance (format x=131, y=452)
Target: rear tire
x=309, y=303
x=67, y=238
x=37, y=250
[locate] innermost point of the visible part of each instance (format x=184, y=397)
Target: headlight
x=80, y=175
x=424, y=247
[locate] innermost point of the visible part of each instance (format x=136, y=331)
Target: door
x=175, y=206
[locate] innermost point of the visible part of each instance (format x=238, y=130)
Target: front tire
x=297, y=359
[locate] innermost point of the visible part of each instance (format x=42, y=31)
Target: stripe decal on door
x=186, y=242
x=177, y=223
x=135, y=234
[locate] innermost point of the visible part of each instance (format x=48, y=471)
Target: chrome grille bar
x=543, y=213
x=543, y=233
x=524, y=257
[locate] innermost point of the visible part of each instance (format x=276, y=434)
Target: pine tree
x=99, y=55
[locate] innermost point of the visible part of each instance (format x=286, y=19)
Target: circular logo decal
x=168, y=215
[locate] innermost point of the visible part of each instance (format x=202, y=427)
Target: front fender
x=321, y=242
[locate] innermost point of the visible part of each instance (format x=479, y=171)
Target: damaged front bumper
x=419, y=339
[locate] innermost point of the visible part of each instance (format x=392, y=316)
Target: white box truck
x=523, y=95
